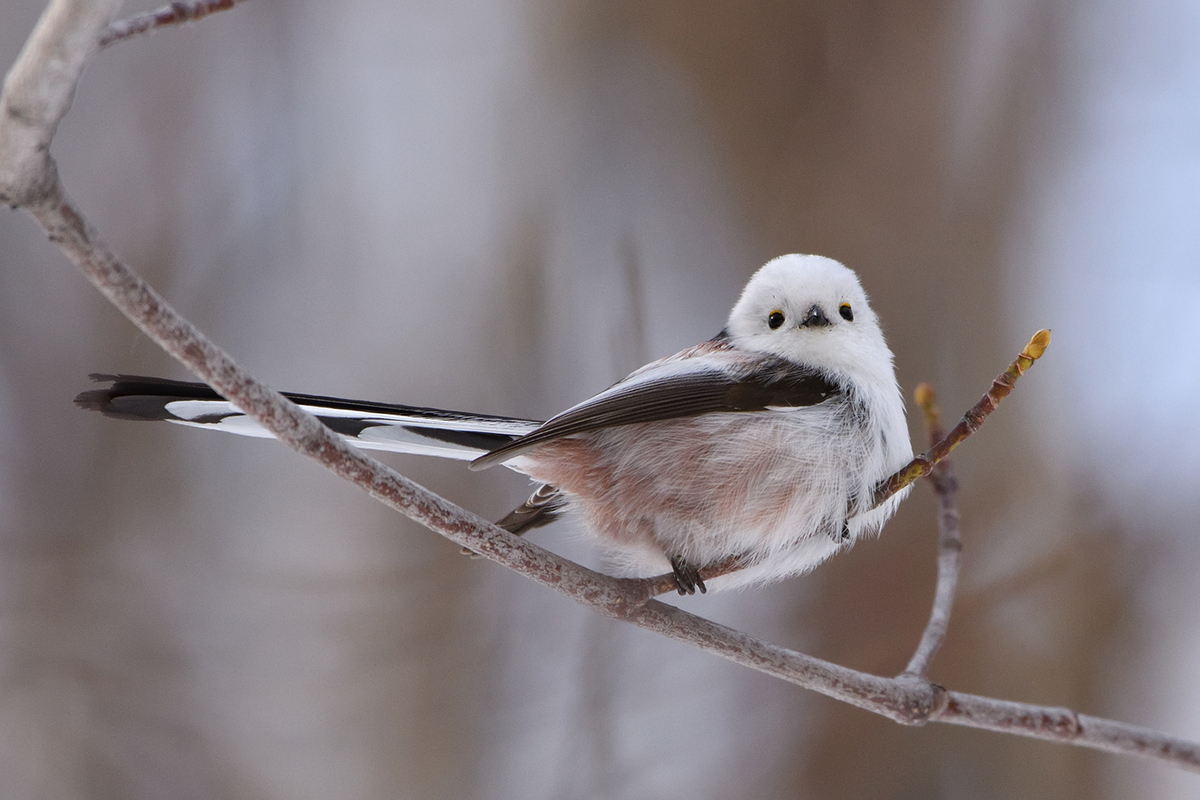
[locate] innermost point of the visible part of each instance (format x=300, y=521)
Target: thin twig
x=176, y=13
x=908, y=699
x=922, y=465
x=949, y=542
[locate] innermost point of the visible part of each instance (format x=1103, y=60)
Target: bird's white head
x=811, y=310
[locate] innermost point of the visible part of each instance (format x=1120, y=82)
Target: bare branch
x=922, y=465
x=176, y=13
x=949, y=543
x=38, y=91
x=1065, y=726
x=44, y=87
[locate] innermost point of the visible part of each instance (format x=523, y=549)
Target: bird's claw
x=687, y=576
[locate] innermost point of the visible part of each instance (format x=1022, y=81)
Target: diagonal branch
x=908, y=699
x=922, y=465
x=176, y=13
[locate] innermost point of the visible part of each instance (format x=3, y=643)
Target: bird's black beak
x=815, y=318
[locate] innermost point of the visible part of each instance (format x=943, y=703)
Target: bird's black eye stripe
x=846, y=312
x=775, y=319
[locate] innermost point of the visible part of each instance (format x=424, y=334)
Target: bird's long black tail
x=373, y=426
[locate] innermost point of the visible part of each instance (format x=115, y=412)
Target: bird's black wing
x=768, y=384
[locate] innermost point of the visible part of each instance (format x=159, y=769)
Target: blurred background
x=506, y=206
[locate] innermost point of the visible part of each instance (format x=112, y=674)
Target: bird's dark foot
x=687, y=576
x=844, y=535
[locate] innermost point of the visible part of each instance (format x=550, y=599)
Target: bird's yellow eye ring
x=775, y=319
x=846, y=312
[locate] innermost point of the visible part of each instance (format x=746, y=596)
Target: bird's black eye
x=775, y=319
x=847, y=314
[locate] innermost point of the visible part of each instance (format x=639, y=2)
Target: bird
x=762, y=445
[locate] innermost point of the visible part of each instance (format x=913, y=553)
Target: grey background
x=504, y=207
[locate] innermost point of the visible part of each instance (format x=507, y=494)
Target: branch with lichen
x=37, y=94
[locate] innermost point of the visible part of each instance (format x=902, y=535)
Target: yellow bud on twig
x=1037, y=345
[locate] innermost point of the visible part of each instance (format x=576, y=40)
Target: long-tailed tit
x=763, y=443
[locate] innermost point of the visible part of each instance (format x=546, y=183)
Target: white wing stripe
x=191, y=410
x=390, y=432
